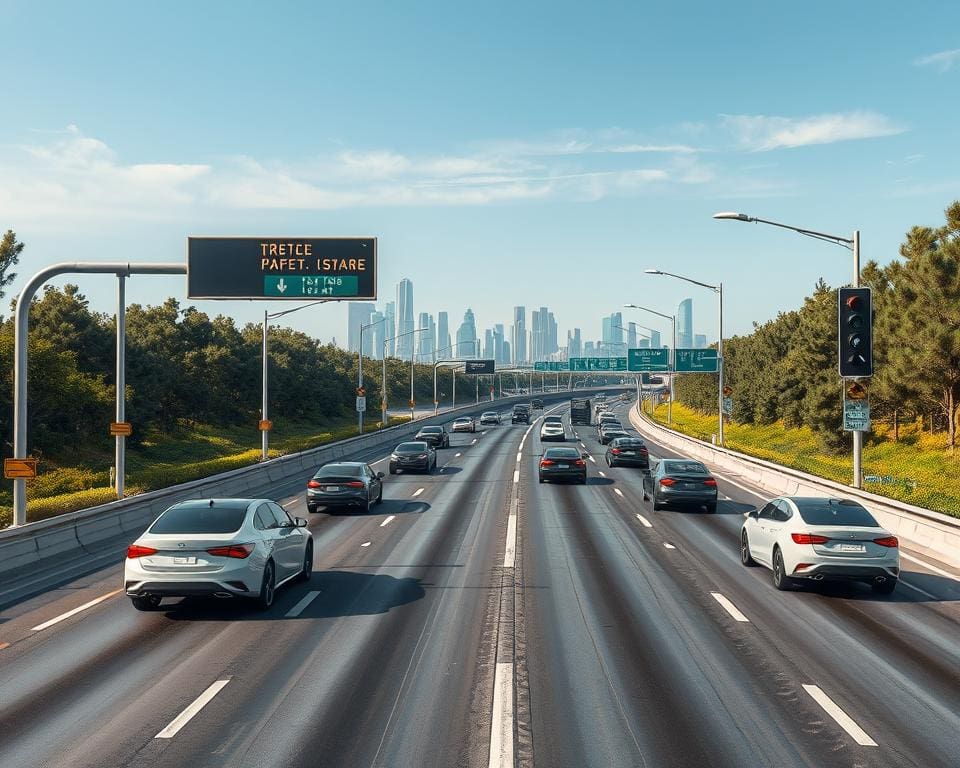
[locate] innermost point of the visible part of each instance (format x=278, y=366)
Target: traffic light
x=855, y=333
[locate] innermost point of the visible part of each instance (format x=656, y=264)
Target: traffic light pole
x=857, y=435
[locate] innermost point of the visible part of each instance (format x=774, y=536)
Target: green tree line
x=787, y=367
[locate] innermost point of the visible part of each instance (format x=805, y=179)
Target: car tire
x=307, y=571
x=267, y=588
x=146, y=602
x=540, y=479
x=311, y=507
x=780, y=579
x=884, y=587
x=745, y=557
x=712, y=507
x=393, y=471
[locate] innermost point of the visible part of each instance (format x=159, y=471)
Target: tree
x=10, y=251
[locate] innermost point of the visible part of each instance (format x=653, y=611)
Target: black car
x=680, y=481
x=435, y=436
x=537, y=404
x=418, y=456
x=628, y=452
x=521, y=414
x=345, y=484
x=563, y=464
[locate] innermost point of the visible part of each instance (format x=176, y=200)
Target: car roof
x=228, y=503
x=463, y=418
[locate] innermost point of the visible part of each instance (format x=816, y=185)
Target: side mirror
x=301, y=523
x=754, y=513
x=584, y=455
x=380, y=474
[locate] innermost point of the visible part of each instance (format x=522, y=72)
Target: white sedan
x=820, y=539
x=220, y=547
x=552, y=429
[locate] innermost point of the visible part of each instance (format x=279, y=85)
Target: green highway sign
x=294, y=268
x=539, y=366
x=696, y=361
x=598, y=364
x=648, y=359
x=558, y=366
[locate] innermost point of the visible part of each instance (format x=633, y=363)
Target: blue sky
x=504, y=153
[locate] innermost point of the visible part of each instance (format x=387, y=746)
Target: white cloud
x=673, y=149
x=942, y=61
x=761, y=133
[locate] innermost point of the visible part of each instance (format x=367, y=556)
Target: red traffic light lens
x=854, y=302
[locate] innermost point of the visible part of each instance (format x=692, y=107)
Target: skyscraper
x=632, y=336
x=536, y=349
x=500, y=344
x=616, y=332
x=552, y=344
x=467, y=336
x=519, y=334
x=405, y=318
x=574, y=344
x=426, y=341
x=655, y=339
x=685, y=324
x=390, y=328
x=377, y=335
x=358, y=313
x=699, y=341
x=443, y=334
x=488, y=344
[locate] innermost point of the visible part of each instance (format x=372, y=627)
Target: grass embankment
x=917, y=457
x=193, y=451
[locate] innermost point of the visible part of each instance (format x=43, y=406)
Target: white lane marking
x=730, y=607
x=843, y=719
x=521, y=444
x=644, y=520
x=301, y=606
x=592, y=459
x=473, y=441
x=387, y=521
x=365, y=544
x=75, y=611
x=290, y=503
x=744, y=488
x=519, y=456
x=917, y=589
x=510, y=552
x=602, y=474
x=418, y=492
x=925, y=564
x=457, y=455
x=4, y=645
x=582, y=445
x=501, y=734
x=190, y=712
x=618, y=492
x=483, y=433
x=379, y=461
x=668, y=545
x=516, y=475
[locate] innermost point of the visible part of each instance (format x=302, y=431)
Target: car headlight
x=394, y=456
x=422, y=456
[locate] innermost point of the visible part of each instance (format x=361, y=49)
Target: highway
x=480, y=618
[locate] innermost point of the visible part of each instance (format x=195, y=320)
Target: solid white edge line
x=917, y=589
x=301, y=606
x=501, y=731
x=519, y=456
x=75, y=611
x=730, y=607
x=387, y=521
x=925, y=564
x=289, y=503
x=644, y=520
x=188, y=714
x=516, y=475
x=510, y=551
x=744, y=488
x=843, y=719
x=418, y=491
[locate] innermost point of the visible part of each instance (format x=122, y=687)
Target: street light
x=360, y=369
x=436, y=363
x=852, y=244
x=383, y=394
x=265, y=433
x=673, y=373
x=718, y=289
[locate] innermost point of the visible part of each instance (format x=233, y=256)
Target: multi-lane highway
x=481, y=618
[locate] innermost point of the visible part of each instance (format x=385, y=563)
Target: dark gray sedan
x=680, y=481
x=345, y=484
x=563, y=464
x=629, y=452
x=414, y=456
x=436, y=436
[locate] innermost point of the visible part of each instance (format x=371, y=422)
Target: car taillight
x=355, y=484
x=887, y=541
x=711, y=482
x=644, y=450
x=667, y=481
x=808, y=538
x=615, y=451
x=313, y=484
x=546, y=463
x=138, y=550
x=579, y=463
x=234, y=550
x=801, y=566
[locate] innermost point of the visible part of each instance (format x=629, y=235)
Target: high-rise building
x=632, y=336
x=488, y=344
x=574, y=344
x=616, y=331
x=500, y=343
x=589, y=350
x=426, y=341
x=643, y=343
x=390, y=328
x=405, y=319
x=467, y=336
x=605, y=334
x=518, y=335
x=655, y=339
x=552, y=343
x=358, y=314
x=536, y=337
x=699, y=341
x=443, y=335
x=377, y=335
x=506, y=352
x=685, y=324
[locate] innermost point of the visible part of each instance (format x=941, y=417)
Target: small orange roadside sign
x=121, y=428
x=14, y=469
x=856, y=391
x=265, y=425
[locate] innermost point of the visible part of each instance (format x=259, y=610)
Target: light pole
x=383, y=394
x=718, y=289
x=851, y=243
x=265, y=433
x=673, y=365
x=360, y=370
x=436, y=363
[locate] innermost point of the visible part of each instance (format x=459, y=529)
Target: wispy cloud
x=942, y=61
x=761, y=133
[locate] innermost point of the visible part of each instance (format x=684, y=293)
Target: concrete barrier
x=923, y=530
x=38, y=555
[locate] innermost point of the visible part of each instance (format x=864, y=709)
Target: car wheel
x=307, y=570
x=884, y=587
x=780, y=579
x=393, y=470
x=311, y=507
x=745, y=557
x=146, y=602
x=267, y=588
x=712, y=507
x=540, y=479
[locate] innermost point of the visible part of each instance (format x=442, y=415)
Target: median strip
x=842, y=718
x=191, y=711
x=730, y=607
x=75, y=611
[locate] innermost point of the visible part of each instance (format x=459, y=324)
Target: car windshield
x=411, y=448
x=561, y=453
x=462, y=420
x=339, y=470
x=684, y=467
x=489, y=413
x=432, y=430
x=834, y=512
x=553, y=419
x=627, y=442
x=223, y=517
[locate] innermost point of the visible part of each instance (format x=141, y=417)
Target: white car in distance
x=552, y=429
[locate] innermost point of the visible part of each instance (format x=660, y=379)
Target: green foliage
x=10, y=250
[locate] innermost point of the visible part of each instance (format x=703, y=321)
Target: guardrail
x=923, y=530
x=39, y=555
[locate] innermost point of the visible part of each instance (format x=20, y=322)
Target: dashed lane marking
x=75, y=611
x=418, y=492
x=618, y=492
x=668, y=545
x=925, y=564
x=730, y=607
x=592, y=459
x=387, y=521
x=365, y=544
x=644, y=520
x=302, y=605
x=191, y=711
x=516, y=475
x=457, y=455
x=602, y=473
x=843, y=719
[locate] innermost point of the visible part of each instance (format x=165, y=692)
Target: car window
x=782, y=511
x=766, y=512
x=262, y=519
x=411, y=448
x=561, y=453
x=835, y=512
x=339, y=470
x=279, y=514
x=201, y=518
x=689, y=467
x=432, y=430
